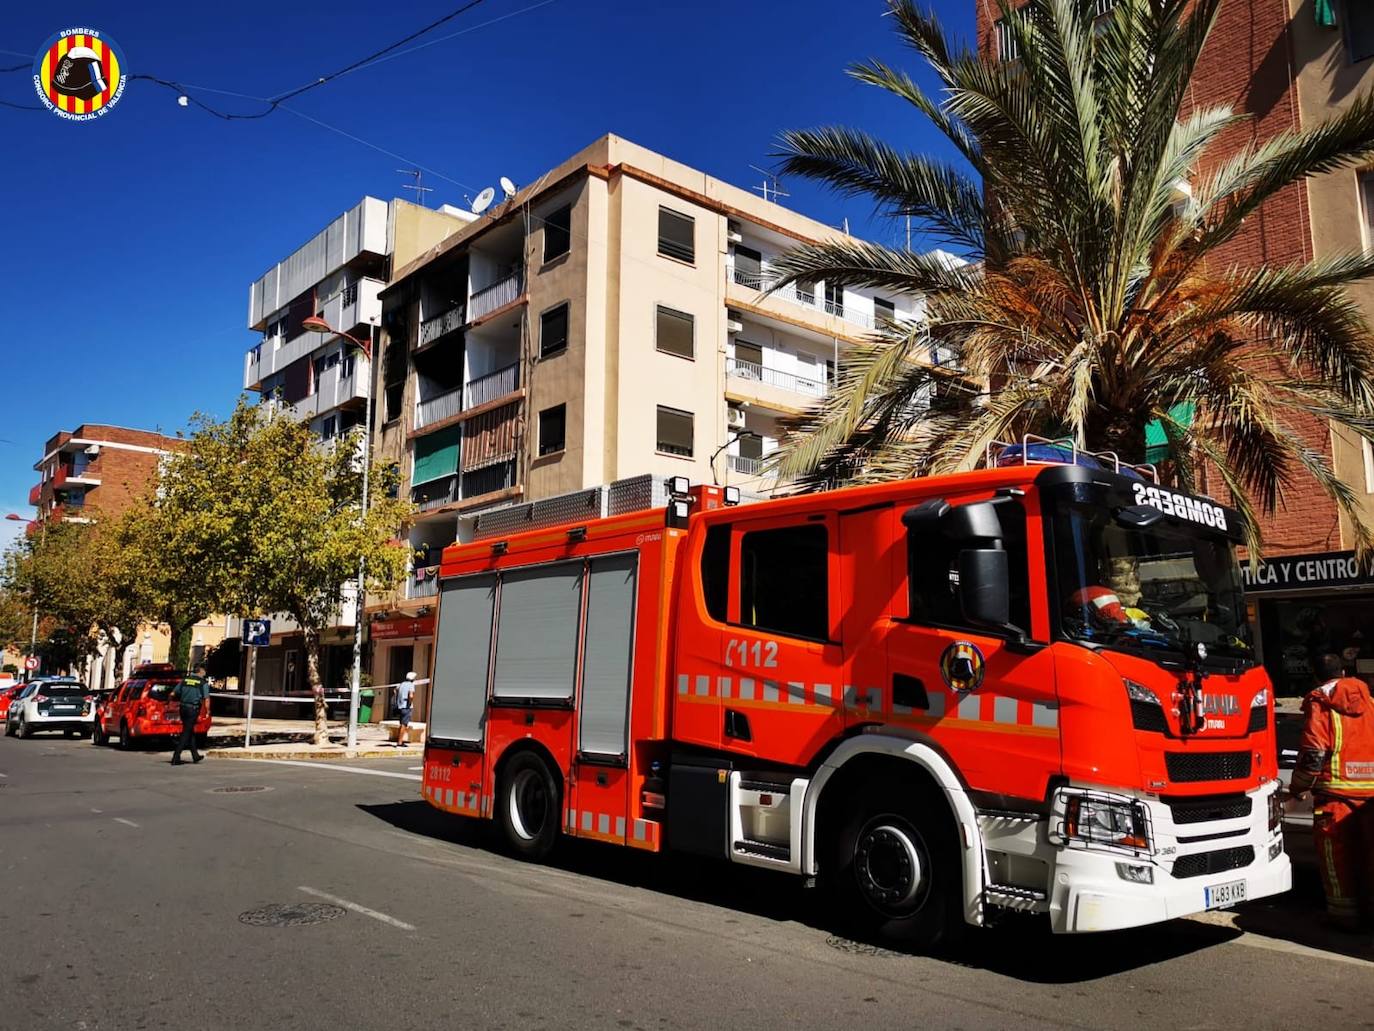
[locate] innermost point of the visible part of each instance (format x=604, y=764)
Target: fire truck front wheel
x=896, y=873
x=528, y=806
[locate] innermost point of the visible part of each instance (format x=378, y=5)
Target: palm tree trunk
x=312, y=672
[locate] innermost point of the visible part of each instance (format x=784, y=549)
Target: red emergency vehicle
x=916, y=692
x=144, y=708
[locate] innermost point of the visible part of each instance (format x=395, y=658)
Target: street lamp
x=315, y=324
x=729, y=440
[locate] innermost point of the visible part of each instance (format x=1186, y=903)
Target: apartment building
x=1288, y=65
x=96, y=472
x=606, y=321
x=320, y=378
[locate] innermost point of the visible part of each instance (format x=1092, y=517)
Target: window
x=558, y=233
x=715, y=572
x=329, y=429
x=1366, y=184
x=884, y=310
x=784, y=581
x=1007, y=49
x=348, y=364
x=676, y=235
x=752, y=357
x=675, y=332
x=552, y=429
x=394, y=375
x=553, y=330
x=748, y=267
x=933, y=572
x=1357, y=25
x=834, y=299
x=674, y=432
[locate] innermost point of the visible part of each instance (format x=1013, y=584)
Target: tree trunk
x=174, y=633
x=312, y=673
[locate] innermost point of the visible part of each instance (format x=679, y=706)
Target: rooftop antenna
x=772, y=185
x=483, y=200
x=507, y=187
x=419, y=189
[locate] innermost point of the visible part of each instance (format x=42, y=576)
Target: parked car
x=51, y=704
x=144, y=708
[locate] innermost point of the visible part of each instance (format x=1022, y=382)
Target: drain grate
x=238, y=789
x=859, y=948
x=297, y=914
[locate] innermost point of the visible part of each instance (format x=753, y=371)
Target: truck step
x=1011, y=896
x=764, y=849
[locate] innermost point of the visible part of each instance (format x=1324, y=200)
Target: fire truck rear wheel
x=528, y=806
x=896, y=873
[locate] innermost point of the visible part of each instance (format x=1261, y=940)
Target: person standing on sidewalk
x=1336, y=763
x=191, y=692
x=405, y=699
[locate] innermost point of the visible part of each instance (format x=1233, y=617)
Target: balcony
x=354, y=305
x=74, y=477
x=496, y=384
x=35, y=494
x=438, y=408
x=746, y=370
x=497, y=295
x=800, y=298
x=426, y=588
x=441, y=325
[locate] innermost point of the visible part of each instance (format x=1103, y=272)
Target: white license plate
x=1219, y=896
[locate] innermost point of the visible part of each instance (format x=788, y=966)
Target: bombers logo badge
x=962, y=666
x=79, y=74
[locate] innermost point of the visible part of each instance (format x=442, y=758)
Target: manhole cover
x=859, y=948
x=238, y=789
x=296, y=915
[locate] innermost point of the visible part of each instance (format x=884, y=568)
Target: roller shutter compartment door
x=536, y=638
x=606, y=660
x=461, y=659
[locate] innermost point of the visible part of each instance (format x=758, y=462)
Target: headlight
x=1104, y=821
x=1139, y=692
x=1275, y=812
x=1261, y=699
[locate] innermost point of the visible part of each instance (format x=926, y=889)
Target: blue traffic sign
x=257, y=632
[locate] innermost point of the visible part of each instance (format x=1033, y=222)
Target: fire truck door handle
x=737, y=725
x=910, y=692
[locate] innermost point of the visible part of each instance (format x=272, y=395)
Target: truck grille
x=1204, y=810
x=1203, y=863
x=1145, y=716
x=1192, y=766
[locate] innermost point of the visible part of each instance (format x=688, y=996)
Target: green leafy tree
x=1094, y=302
x=54, y=571
x=274, y=519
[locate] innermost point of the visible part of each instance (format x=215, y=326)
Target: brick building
x=1290, y=65
x=96, y=472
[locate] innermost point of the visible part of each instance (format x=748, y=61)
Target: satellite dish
x=507, y=187
x=483, y=201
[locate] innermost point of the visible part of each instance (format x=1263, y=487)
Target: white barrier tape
x=306, y=698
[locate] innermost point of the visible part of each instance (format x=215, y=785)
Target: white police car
x=52, y=704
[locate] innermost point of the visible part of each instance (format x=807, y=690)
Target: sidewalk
x=293, y=739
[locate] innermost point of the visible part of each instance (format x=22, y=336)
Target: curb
x=357, y=753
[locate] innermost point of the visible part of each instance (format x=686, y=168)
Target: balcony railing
x=35, y=494
x=497, y=295
x=426, y=588
x=432, y=329
x=437, y=409
x=493, y=385
x=746, y=466
x=772, y=377
x=436, y=494
x=801, y=297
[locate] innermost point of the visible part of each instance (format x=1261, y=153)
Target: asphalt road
x=125, y=881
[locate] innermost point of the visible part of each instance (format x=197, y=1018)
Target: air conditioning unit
x=734, y=418
x=93, y=450
x=734, y=326
x=732, y=232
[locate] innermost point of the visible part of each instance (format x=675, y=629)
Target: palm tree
x=1092, y=302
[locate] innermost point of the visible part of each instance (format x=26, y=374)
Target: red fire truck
x=1026, y=687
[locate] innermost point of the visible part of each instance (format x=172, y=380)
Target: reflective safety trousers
x=1344, y=833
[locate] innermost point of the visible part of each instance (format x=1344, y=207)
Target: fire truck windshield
x=1158, y=590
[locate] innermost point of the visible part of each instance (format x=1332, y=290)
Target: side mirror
x=984, y=587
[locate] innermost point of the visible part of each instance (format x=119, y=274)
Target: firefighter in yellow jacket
x=1336, y=763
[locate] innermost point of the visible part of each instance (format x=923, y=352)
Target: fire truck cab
x=1028, y=687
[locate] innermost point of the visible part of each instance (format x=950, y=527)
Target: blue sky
x=131, y=240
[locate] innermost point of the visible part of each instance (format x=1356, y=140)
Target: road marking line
x=357, y=908
x=341, y=769
x=6, y=776
x=408, y=768
x=127, y=823
x=97, y=810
